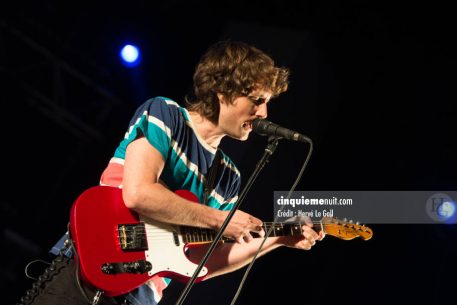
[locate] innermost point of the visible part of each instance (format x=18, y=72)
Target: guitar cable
x=98, y=293
x=52, y=270
x=267, y=234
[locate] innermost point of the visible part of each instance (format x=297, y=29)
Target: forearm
x=228, y=257
x=157, y=202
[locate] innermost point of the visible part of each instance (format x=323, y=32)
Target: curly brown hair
x=233, y=69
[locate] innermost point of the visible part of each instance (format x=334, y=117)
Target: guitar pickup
x=137, y=267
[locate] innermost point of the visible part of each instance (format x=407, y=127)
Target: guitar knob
x=345, y=219
x=357, y=223
x=350, y=221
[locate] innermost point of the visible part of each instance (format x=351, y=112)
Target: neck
x=201, y=235
x=206, y=130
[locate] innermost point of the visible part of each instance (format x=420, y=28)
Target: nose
x=262, y=111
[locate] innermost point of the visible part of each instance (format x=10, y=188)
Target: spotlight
x=130, y=55
x=446, y=210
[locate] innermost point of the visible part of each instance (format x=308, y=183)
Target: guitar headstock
x=345, y=229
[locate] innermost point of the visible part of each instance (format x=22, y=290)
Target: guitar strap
x=211, y=177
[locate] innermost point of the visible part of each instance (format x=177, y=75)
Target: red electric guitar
x=118, y=250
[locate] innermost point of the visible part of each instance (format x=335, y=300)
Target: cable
x=29, y=264
x=52, y=270
x=243, y=280
x=75, y=253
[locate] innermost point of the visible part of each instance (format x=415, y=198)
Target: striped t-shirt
x=188, y=158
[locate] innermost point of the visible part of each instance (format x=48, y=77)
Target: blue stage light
x=446, y=210
x=130, y=55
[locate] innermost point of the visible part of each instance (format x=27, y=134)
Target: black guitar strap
x=211, y=177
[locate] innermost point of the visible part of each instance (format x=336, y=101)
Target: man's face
x=235, y=119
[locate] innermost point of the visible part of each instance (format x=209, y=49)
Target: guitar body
x=118, y=250
x=111, y=241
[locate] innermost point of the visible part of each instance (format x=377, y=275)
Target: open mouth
x=247, y=125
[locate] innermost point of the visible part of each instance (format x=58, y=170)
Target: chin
x=242, y=137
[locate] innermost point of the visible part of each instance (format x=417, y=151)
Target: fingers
x=304, y=244
x=256, y=227
x=306, y=220
x=310, y=234
x=255, y=224
x=259, y=230
x=241, y=226
x=245, y=238
x=240, y=239
x=310, y=237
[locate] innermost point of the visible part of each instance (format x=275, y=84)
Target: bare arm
x=143, y=193
x=228, y=257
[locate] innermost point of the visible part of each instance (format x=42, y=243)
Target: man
x=168, y=147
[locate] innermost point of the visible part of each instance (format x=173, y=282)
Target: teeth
x=246, y=124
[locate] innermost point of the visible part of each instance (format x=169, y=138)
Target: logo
x=440, y=207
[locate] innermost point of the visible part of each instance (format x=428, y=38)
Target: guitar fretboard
x=201, y=235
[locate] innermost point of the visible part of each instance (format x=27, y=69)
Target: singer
x=171, y=145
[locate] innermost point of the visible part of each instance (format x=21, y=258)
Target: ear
x=221, y=98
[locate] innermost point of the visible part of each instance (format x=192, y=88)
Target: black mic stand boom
x=269, y=150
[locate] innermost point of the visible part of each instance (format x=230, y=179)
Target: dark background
x=372, y=84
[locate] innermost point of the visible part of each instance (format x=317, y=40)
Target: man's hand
x=306, y=240
x=241, y=225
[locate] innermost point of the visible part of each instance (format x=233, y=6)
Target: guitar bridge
x=132, y=237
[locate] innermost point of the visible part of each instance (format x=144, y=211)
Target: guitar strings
x=207, y=235
x=266, y=226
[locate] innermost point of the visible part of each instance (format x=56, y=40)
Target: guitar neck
x=201, y=235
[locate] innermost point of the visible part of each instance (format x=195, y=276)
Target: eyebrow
x=258, y=100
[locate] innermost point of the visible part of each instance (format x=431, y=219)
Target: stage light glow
x=130, y=55
x=446, y=209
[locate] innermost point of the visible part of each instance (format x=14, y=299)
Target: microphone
x=267, y=128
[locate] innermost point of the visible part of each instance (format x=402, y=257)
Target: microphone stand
x=269, y=150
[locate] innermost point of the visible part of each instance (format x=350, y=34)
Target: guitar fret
x=209, y=235
x=201, y=237
x=197, y=235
